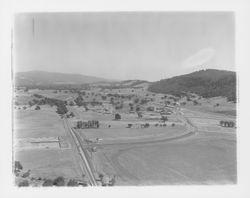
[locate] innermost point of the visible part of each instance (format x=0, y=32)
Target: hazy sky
x=124, y=45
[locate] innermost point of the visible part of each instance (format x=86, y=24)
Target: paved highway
x=88, y=166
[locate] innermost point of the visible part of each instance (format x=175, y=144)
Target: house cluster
x=160, y=109
x=87, y=124
x=104, y=108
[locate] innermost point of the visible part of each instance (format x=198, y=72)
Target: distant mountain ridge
x=53, y=78
x=207, y=83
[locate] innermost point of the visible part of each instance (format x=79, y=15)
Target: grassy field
x=41, y=123
x=208, y=157
x=210, y=105
x=199, y=160
x=44, y=163
x=50, y=163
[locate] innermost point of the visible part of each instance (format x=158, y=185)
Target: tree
x=104, y=97
x=137, y=108
x=37, y=107
x=195, y=102
x=72, y=182
x=164, y=118
x=59, y=181
x=112, y=100
x=112, y=182
x=18, y=166
x=222, y=122
x=71, y=103
x=117, y=116
x=79, y=100
x=143, y=101
x=61, y=109
x=48, y=182
x=101, y=175
x=150, y=108
x=136, y=100
x=139, y=114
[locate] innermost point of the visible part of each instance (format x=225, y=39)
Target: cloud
x=199, y=58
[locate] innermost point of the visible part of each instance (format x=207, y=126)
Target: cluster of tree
x=160, y=125
x=146, y=125
x=87, y=124
x=150, y=108
x=206, y=83
x=164, y=118
x=60, y=181
x=79, y=101
x=60, y=104
x=94, y=103
x=70, y=115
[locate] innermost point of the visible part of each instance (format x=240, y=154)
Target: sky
x=124, y=45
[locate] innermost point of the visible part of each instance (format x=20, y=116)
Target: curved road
x=192, y=129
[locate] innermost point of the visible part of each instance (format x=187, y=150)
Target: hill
x=206, y=83
x=123, y=84
x=42, y=78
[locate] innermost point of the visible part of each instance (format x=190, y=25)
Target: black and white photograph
x=140, y=98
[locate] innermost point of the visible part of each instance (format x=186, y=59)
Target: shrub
x=23, y=183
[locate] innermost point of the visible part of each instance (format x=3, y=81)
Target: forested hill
x=52, y=78
x=206, y=83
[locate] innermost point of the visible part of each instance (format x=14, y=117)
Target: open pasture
x=37, y=123
x=49, y=163
x=199, y=160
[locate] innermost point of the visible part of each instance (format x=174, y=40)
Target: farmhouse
x=108, y=107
